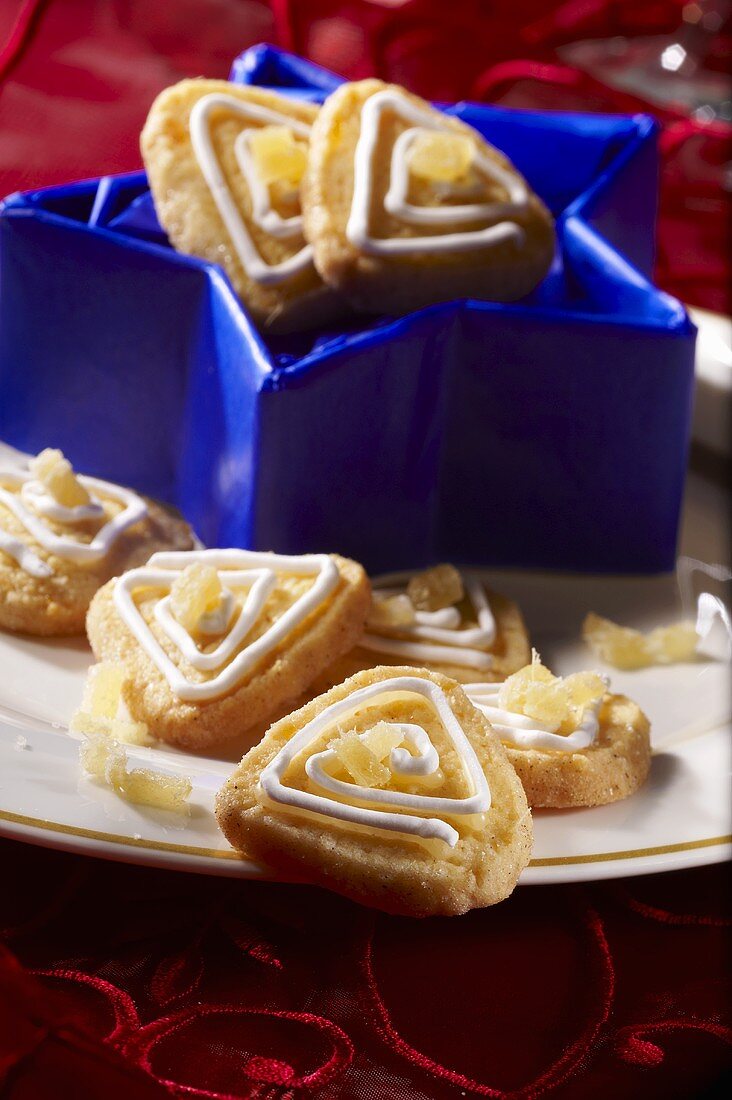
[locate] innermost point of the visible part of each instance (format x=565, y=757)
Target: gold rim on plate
x=222, y=853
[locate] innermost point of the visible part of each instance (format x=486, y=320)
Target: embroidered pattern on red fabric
x=665, y=916
x=632, y=1045
x=141, y=1045
x=123, y=1008
x=554, y=1075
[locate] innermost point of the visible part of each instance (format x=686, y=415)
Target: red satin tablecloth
x=120, y=981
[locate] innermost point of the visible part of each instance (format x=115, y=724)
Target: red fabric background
x=80, y=75
x=127, y=982
x=142, y=983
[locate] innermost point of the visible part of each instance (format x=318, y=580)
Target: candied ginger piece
x=195, y=592
x=382, y=738
x=441, y=586
x=277, y=155
x=626, y=648
x=95, y=752
x=620, y=646
x=441, y=157
x=103, y=689
x=131, y=732
x=391, y=611
x=673, y=643
x=547, y=704
x=585, y=688
x=106, y=760
x=55, y=473
x=149, y=788
x=557, y=704
x=513, y=691
x=120, y=729
x=361, y=763
x=103, y=711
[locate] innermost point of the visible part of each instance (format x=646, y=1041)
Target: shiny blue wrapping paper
x=552, y=432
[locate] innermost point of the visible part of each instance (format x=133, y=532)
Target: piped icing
x=397, y=204
x=527, y=733
x=30, y=503
x=422, y=817
x=437, y=636
x=240, y=570
x=263, y=213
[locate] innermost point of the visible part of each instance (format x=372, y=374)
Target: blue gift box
x=551, y=432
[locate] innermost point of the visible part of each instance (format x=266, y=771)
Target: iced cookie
x=64, y=535
x=213, y=642
x=440, y=618
x=405, y=205
x=224, y=163
x=570, y=741
x=391, y=789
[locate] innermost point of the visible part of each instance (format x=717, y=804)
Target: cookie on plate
x=441, y=618
x=224, y=163
x=215, y=641
x=62, y=536
x=391, y=789
x=406, y=206
x=570, y=741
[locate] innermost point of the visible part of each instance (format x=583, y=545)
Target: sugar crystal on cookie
x=55, y=473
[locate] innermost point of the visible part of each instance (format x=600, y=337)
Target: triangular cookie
x=392, y=789
x=398, y=221
x=281, y=617
x=218, y=197
x=483, y=636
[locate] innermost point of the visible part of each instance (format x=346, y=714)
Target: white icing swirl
x=30, y=503
x=395, y=201
x=262, y=213
x=239, y=569
x=35, y=494
x=216, y=622
x=417, y=822
x=28, y=561
x=527, y=733
x=436, y=636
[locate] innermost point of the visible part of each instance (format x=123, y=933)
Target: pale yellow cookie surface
x=612, y=768
x=500, y=271
x=510, y=651
x=388, y=870
x=278, y=677
x=57, y=605
x=189, y=214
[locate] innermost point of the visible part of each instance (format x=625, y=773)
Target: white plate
x=713, y=390
x=681, y=818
